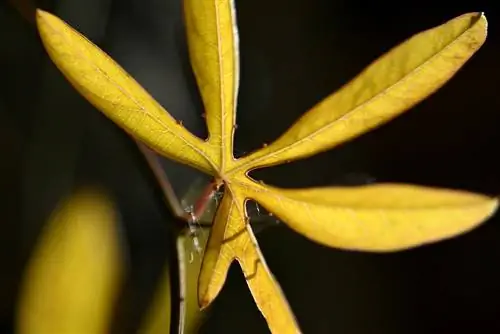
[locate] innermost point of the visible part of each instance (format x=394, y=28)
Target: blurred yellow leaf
x=189, y=268
x=158, y=317
x=157, y=320
x=377, y=218
x=74, y=274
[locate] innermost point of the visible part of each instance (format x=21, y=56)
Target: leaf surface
x=213, y=48
x=111, y=90
x=232, y=238
x=381, y=217
x=158, y=317
x=73, y=277
x=191, y=316
x=391, y=85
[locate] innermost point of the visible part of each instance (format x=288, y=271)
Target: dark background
x=293, y=53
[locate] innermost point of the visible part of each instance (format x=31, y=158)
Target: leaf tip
x=482, y=18
x=203, y=303
x=40, y=12
x=206, y=297
x=479, y=18
x=43, y=21
x=41, y=15
x=493, y=205
x=208, y=290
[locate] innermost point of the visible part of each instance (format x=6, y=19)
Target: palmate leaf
x=383, y=217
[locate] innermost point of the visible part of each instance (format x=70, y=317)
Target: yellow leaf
x=232, y=238
x=383, y=217
x=74, y=275
x=189, y=268
x=110, y=89
x=157, y=319
x=392, y=84
x=219, y=252
x=213, y=44
x=377, y=218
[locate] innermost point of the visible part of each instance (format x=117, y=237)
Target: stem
x=201, y=203
x=206, y=196
x=161, y=177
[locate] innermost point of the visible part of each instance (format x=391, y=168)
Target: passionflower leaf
x=232, y=238
x=73, y=277
x=213, y=48
x=391, y=85
x=114, y=92
x=380, y=217
x=383, y=217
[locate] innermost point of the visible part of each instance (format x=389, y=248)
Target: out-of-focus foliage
x=71, y=282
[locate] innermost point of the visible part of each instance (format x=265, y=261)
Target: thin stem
x=161, y=177
x=201, y=203
x=206, y=196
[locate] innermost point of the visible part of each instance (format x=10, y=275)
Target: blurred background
x=293, y=53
